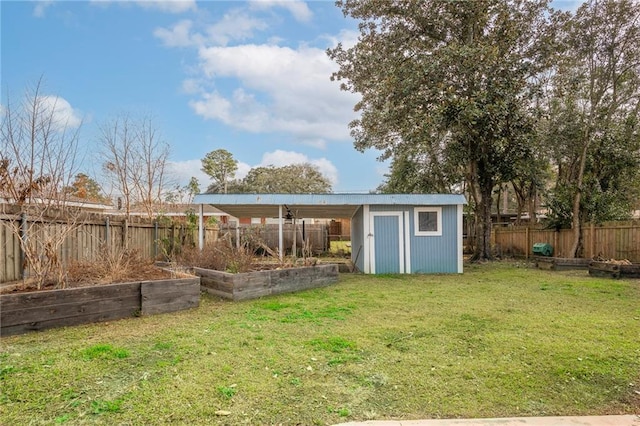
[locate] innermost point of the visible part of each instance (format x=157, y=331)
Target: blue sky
x=249, y=77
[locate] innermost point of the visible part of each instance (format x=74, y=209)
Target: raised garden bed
x=252, y=285
x=39, y=310
x=614, y=270
x=562, y=263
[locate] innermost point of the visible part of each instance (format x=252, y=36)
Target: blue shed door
x=387, y=244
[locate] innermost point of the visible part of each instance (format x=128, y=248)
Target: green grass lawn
x=500, y=340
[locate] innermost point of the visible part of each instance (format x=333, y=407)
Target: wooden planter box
x=39, y=310
x=561, y=263
x=613, y=270
x=251, y=285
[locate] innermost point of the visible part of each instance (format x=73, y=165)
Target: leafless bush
x=38, y=159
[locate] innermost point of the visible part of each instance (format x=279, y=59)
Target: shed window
x=428, y=221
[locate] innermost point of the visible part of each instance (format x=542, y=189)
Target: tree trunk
x=483, y=226
x=533, y=219
x=576, y=222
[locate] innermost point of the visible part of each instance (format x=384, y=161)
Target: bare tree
x=39, y=149
x=38, y=159
x=136, y=159
x=117, y=140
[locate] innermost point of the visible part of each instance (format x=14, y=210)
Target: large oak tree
x=449, y=83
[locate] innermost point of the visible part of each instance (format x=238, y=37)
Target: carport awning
x=316, y=205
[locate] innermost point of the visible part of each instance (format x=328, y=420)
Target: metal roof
x=317, y=205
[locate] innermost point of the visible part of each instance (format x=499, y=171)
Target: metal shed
x=390, y=233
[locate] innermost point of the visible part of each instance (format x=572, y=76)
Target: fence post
x=155, y=239
x=125, y=234
x=173, y=238
x=592, y=246
x=107, y=234
x=23, y=237
x=526, y=242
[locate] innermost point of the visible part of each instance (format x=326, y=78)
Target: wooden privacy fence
x=85, y=239
x=614, y=240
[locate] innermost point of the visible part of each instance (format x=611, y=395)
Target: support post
x=295, y=234
x=201, y=227
x=280, y=239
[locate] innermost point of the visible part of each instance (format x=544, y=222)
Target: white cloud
x=40, y=8
x=213, y=106
x=168, y=6
x=264, y=88
x=183, y=171
x=283, y=90
x=348, y=38
x=179, y=35
x=297, y=8
x=243, y=170
x=234, y=25
x=63, y=114
x=279, y=158
x=192, y=86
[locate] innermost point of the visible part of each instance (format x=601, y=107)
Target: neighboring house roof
x=68, y=201
x=173, y=210
x=317, y=205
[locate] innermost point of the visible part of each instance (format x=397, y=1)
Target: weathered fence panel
x=614, y=240
x=9, y=251
x=87, y=239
